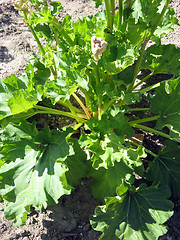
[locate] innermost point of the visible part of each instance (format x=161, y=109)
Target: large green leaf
x=134, y=215
x=35, y=170
x=166, y=104
x=162, y=59
x=165, y=169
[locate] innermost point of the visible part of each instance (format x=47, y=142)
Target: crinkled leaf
x=166, y=25
x=120, y=57
x=32, y=175
x=162, y=59
x=88, y=26
x=148, y=12
x=165, y=169
x=45, y=29
x=135, y=31
x=119, y=124
x=166, y=104
x=134, y=215
x=112, y=163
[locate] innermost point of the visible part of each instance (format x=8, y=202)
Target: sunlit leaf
x=134, y=215
x=34, y=173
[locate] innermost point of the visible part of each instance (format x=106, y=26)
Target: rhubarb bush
x=95, y=62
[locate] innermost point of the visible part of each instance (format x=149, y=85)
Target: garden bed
x=69, y=220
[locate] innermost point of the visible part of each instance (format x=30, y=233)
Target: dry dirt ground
x=69, y=219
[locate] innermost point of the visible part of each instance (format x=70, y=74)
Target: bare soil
x=69, y=220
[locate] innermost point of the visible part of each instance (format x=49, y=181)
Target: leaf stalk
x=148, y=129
x=149, y=119
x=82, y=105
x=54, y=72
x=58, y=112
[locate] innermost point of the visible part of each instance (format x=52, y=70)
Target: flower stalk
x=120, y=16
x=109, y=16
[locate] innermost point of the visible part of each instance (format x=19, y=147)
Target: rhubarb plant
x=96, y=62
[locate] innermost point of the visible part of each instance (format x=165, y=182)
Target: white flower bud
x=98, y=46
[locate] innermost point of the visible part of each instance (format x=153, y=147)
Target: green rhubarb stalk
x=86, y=95
x=149, y=119
x=58, y=112
x=69, y=105
x=34, y=34
x=63, y=33
x=143, y=80
x=38, y=42
x=82, y=105
x=97, y=76
x=150, y=88
x=148, y=129
x=138, y=109
x=107, y=106
x=138, y=64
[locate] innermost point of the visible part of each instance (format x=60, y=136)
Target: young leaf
x=32, y=175
x=121, y=56
x=149, y=13
x=158, y=62
x=113, y=167
x=134, y=215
